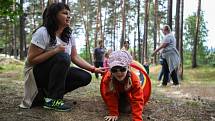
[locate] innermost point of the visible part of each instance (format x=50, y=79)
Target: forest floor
x=193, y=101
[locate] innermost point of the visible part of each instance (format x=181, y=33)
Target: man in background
x=98, y=55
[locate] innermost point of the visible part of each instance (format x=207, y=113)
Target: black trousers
x=124, y=105
x=166, y=72
x=55, y=77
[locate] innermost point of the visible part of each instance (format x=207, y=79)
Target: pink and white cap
x=120, y=58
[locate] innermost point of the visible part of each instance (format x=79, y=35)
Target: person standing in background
x=170, y=55
x=106, y=58
x=98, y=56
x=126, y=47
x=146, y=65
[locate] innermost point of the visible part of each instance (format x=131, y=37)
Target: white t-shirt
x=41, y=39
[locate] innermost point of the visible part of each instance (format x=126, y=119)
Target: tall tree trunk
x=123, y=22
x=14, y=48
x=41, y=4
x=159, y=34
x=14, y=43
x=181, y=40
x=135, y=53
x=145, y=35
x=114, y=27
x=104, y=27
x=22, y=31
x=111, y=42
x=177, y=23
x=86, y=26
x=138, y=30
x=100, y=21
x=194, y=63
x=97, y=29
x=98, y=24
x=33, y=14
x=169, y=14
x=155, y=26
x=6, y=37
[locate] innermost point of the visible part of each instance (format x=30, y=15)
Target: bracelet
x=93, y=69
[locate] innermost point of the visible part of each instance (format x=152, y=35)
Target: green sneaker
x=56, y=104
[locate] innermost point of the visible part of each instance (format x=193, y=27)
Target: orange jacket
x=135, y=96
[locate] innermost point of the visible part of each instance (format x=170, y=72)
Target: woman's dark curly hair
x=51, y=23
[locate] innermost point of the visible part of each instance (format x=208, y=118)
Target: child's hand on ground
x=111, y=118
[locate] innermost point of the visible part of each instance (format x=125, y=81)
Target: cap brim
x=117, y=63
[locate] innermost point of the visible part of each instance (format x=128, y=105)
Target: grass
x=8, y=70
x=200, y=75
x=193, y=103
x=10, y=67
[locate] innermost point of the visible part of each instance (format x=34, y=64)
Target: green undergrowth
x=11, y=67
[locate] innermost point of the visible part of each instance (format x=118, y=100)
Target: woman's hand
x=100, y=70
x=111, y=118
x=60, y=48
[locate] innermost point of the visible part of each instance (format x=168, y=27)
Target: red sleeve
x=110, y=97
x=136, y=97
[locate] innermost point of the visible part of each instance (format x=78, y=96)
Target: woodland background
x=112, y=21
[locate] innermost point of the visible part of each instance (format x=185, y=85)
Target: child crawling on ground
x=121, y=89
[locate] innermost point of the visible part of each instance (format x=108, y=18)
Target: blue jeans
x=161, y=74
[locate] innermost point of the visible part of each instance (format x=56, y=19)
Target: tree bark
x=155, y=29
x=123, y=22
x=145, y=35
x=97, y=29
x=169, y=14
x=177, y=23
x=86, y=26
x=22, y=31
x=138, y=30
x=194, y=63
x=114, y=27
x=181, y=40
